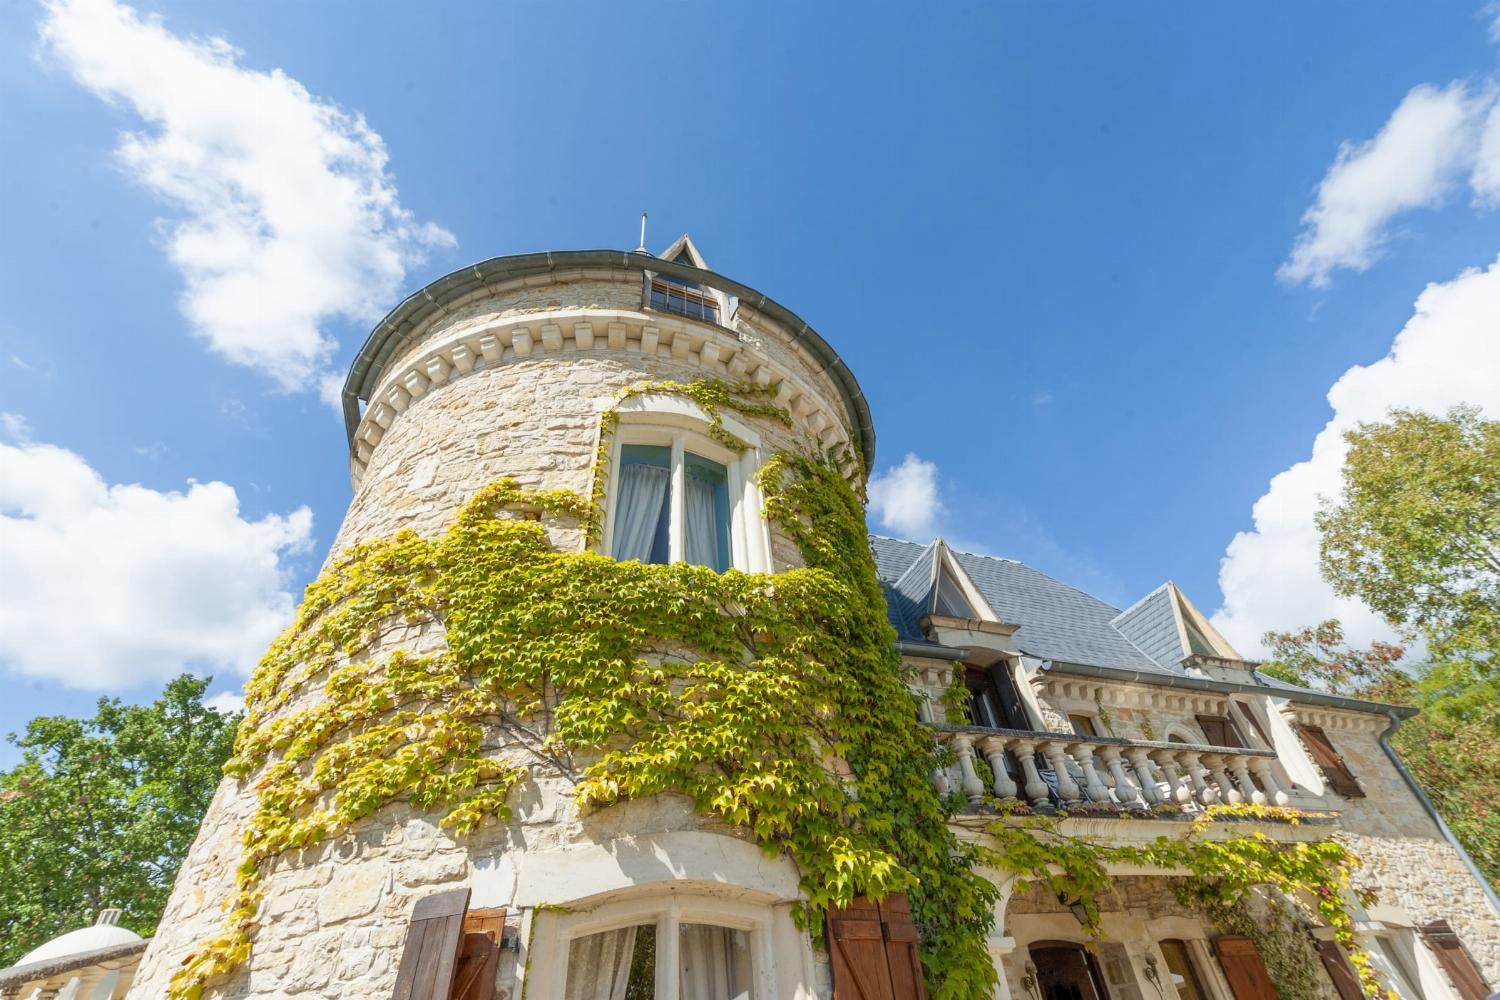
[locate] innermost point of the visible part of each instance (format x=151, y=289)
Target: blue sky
x=1057, y=243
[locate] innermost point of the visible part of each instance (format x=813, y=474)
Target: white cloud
x=107, y=586
x=227, y=702
x=288, y=215
x=905, y=498
x=1429, y=140
x=1448, y=353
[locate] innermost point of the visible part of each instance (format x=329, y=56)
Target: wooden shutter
x=874, y=952
x=479, y=954
x=1456, y=961
x=1244, y=968
x=1336, y=963
x=1219, y=731
x=432, y=948
x=1330, y=761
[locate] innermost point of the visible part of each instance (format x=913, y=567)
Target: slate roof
x=1151, y=625
x=1056, y=621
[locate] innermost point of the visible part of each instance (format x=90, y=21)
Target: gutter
x=1397, y=712
x=1416, y=789
x=931, y=650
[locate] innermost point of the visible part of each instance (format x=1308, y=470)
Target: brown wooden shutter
x=432, y=947
x=874, y=951
x=1244, y=968
x=479, y=954
x=1330, y=761
x=1456, y=961
x=1336, y=963
x=1219, y=731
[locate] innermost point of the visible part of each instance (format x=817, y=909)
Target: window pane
x=643, y=503
x=612, y=965
x=715, y=963
x=706, y=507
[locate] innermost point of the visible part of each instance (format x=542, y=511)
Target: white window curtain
x=702, y=529
x=638, y=505
x=599, y=965
x=715, y=963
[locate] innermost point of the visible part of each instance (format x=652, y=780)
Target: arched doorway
x=1066, y=971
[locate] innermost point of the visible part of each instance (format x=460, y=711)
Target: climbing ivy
x=736, y=690
x=1313, y=875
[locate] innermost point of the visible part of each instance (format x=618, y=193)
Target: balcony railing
x=1061, y=768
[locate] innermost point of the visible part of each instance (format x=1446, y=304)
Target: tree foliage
x=101, y=811
x=1416, y=536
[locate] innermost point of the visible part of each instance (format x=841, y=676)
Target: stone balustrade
x=1061, y=768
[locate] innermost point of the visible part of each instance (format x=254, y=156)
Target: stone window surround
x=667, y=911
x=658, y=418
x=468, y=349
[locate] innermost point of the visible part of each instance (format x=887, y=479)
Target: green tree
x=1416, y=534
x=100, y=812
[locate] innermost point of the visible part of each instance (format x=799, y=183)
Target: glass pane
x=715, y=963
x=706, y=511
x=643, y=503
x=612, y=965
x=1180, y=965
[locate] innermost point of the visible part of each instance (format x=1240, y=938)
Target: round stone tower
x=503, y=369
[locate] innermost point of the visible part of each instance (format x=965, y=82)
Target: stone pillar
x=973, y=788
x=1125, y=792
x=1092, y=784
x=1241, y=768
x=994, y=752
x=1146, y=780
x=1227, y=791
x=1202, y=791
x=1036, y=789
x=1266, y=770
x=1067, y=788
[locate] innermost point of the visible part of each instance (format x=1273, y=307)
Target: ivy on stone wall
x=1220, y=873
x=735, y=690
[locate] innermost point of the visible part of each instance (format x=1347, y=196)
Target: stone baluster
x=1202, y=790
x=973, y=788
x=1227, y=791
x=1035, y=788
x=1265, y=769
x=1067, y=788
x=1093, y=786
x=1125, y=792
x=1144, y=778
x=1241, y=768
x=994, y=751
x=940, y=780
x=1170, y=764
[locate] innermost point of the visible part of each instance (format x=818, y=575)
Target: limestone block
x=352, y=892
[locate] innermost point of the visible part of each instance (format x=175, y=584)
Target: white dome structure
x=84, y=939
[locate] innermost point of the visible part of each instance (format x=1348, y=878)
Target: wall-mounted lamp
x=1077, y=908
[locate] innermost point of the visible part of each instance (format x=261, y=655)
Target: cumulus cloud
x=1448, y=353
x=287, y=215
x=107, y=586
x=904, y=498
x=1430, y=140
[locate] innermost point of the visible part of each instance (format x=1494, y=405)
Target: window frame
x=681, y=425
x=668, y=912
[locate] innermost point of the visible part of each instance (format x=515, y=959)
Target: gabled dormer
x=682, y=295
x=1169, y=628
x=951, y=608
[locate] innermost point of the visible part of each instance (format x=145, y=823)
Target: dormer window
x=683, y=297
x=679, y=495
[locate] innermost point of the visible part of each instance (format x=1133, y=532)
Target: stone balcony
x=1046, y=769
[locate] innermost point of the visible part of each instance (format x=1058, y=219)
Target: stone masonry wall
x=335, y=916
